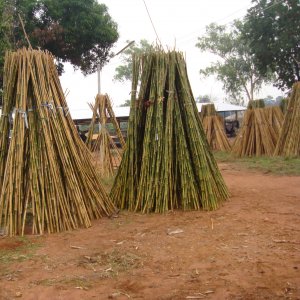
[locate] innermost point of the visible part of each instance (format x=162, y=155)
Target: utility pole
x=99, y=68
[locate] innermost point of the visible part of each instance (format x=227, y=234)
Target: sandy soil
x=248, y=249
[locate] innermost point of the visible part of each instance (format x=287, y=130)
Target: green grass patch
x=17, y=249
x=274, y=165
x=67, y=281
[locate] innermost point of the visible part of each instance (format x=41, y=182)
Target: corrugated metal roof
x=82, y=114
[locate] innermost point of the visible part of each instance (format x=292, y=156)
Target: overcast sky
x=178, y=23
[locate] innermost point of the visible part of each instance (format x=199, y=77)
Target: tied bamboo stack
x=167, y=163
x=284, y=105
x=214, y=128
x=106, y=153
x=275, y=118
x=208, y=110
x=48, y=182
x=289, y=140
x=256, y=137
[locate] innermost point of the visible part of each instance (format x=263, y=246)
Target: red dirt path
x=248, y=249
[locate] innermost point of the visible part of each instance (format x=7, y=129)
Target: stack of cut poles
x=106, y=153
x=256, y=137
x=207, y=110
x=167, y=163
x=284, y=104
x=275, y=118
x=289, y=139
x=213, y=126
x=48, y=182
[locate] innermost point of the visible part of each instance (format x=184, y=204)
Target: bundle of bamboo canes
x=256, y=137
x=256, y=104
x=48, y=182
x=207, y=110
x=289, y=139
x=274, y=118
x=214, y=128
x=167, y=162
x=106, y=153
x=284, y=104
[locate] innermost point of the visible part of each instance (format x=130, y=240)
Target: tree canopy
x=124, y=71
x=5, y=36
x=75, y=31
x=204, y=99
x=235, y=66
x=272, y=31
x=125, y=104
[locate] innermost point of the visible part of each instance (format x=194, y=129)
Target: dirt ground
x=247, y=249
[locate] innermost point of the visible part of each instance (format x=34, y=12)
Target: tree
x=124, y=71
x=235, y=67
x=272, y=31
x=5, y=36
x=125, y=104
x=75, y=31
x=203, y=99
x=269, y=100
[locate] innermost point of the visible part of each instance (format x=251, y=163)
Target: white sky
x=177, y=22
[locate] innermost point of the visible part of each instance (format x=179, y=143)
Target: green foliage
x=126, y=103
x=75, y=31
x=235, y=65
x=124, y=71
x=204, y=99
x=21, y=249
x=272, y=31
x=5, y=36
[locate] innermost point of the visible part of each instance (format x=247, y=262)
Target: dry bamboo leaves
x=289, y=139
x=214, y=128
x=48, y=183
x=106, y=153
x=167, y=163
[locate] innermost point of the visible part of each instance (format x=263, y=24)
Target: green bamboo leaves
x=48, y=183
x=167, y=163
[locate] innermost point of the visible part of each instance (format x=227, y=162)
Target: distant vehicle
x=231, y=127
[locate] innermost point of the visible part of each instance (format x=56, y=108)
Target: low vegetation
x=273, y=165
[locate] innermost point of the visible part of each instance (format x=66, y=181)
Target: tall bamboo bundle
x=289, y=139
x=256, y=104
x=208, y=110
x=167, y=163
x=274, y=118
x=284, y=105
x=214, y=128
x=48, y=182
x=256, y=137
x=107, y=155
